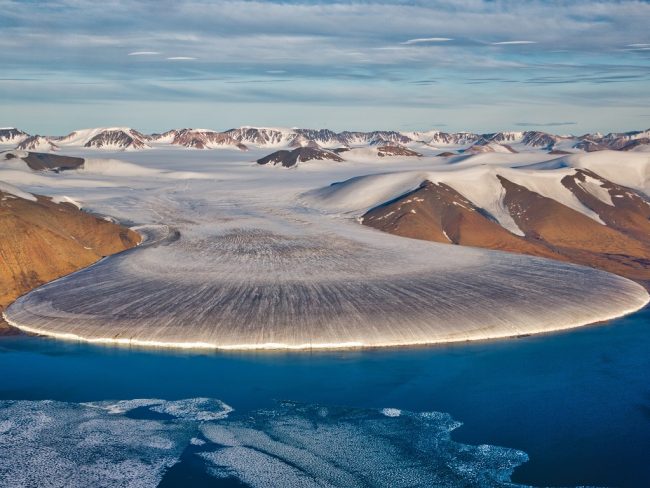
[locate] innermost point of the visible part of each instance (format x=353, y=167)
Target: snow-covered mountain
x=626, y=136
x=11, y=135
x=526, y=139
x=535, y=138
x=529, y=139
x=110, y=138
x=37, y=143
x=302, y=141
x=379, y=137
x=486, y=145
x=439, y=138
x=323, y=137
x=589, y=145
x=203, y=139
x=507, y=137
x=262, y=136
x=623, y=141
x=165, y=138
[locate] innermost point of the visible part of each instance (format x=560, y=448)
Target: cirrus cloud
x=423, y=40
x=512, y=43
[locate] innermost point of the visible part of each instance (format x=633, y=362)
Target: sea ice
x=57, y=444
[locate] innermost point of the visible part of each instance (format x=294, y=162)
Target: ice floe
x=104, y=444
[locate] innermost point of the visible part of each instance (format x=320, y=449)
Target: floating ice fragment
x=188, y=409
x=296, y=445
x=391, y=412
x=195, y=409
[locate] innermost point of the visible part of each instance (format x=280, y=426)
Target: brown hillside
x=629, y=212
x=42, y=240
x=437, y=212
x=576, y=236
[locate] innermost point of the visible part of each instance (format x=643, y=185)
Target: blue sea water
x=577, y=403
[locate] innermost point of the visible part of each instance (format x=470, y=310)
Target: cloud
x=543, y=124
x=512, y=43
x=427, y=39
x=612, y=74
x=390, y=48
x=424, y=82
x=337, y=53
x=257, y=81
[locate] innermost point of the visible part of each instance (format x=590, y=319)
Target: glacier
x=238, y=256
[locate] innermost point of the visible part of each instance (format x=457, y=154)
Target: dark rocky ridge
x=46, y=161
x=289, y=159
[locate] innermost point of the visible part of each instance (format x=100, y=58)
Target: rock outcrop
x=45, y=161
x=396, y=150
x=289, y=159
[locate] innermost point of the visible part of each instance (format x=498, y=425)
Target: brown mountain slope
x=576, y=236
x=42, y=240
x=627, y=210
x=437, y=212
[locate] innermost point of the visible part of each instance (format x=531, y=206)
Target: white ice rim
x=350, y=345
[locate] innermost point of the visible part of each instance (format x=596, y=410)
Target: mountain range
x=245, y=138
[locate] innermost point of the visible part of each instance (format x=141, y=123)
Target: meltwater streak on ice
x=253, y=276
x=126, y=443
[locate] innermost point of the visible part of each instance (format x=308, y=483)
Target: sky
x=478, y=65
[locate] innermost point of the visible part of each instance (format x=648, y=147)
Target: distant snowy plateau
x=297, y=238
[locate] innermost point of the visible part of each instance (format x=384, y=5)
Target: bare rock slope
x=43, y=240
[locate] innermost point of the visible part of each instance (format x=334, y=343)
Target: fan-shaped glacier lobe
x=275, y=280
